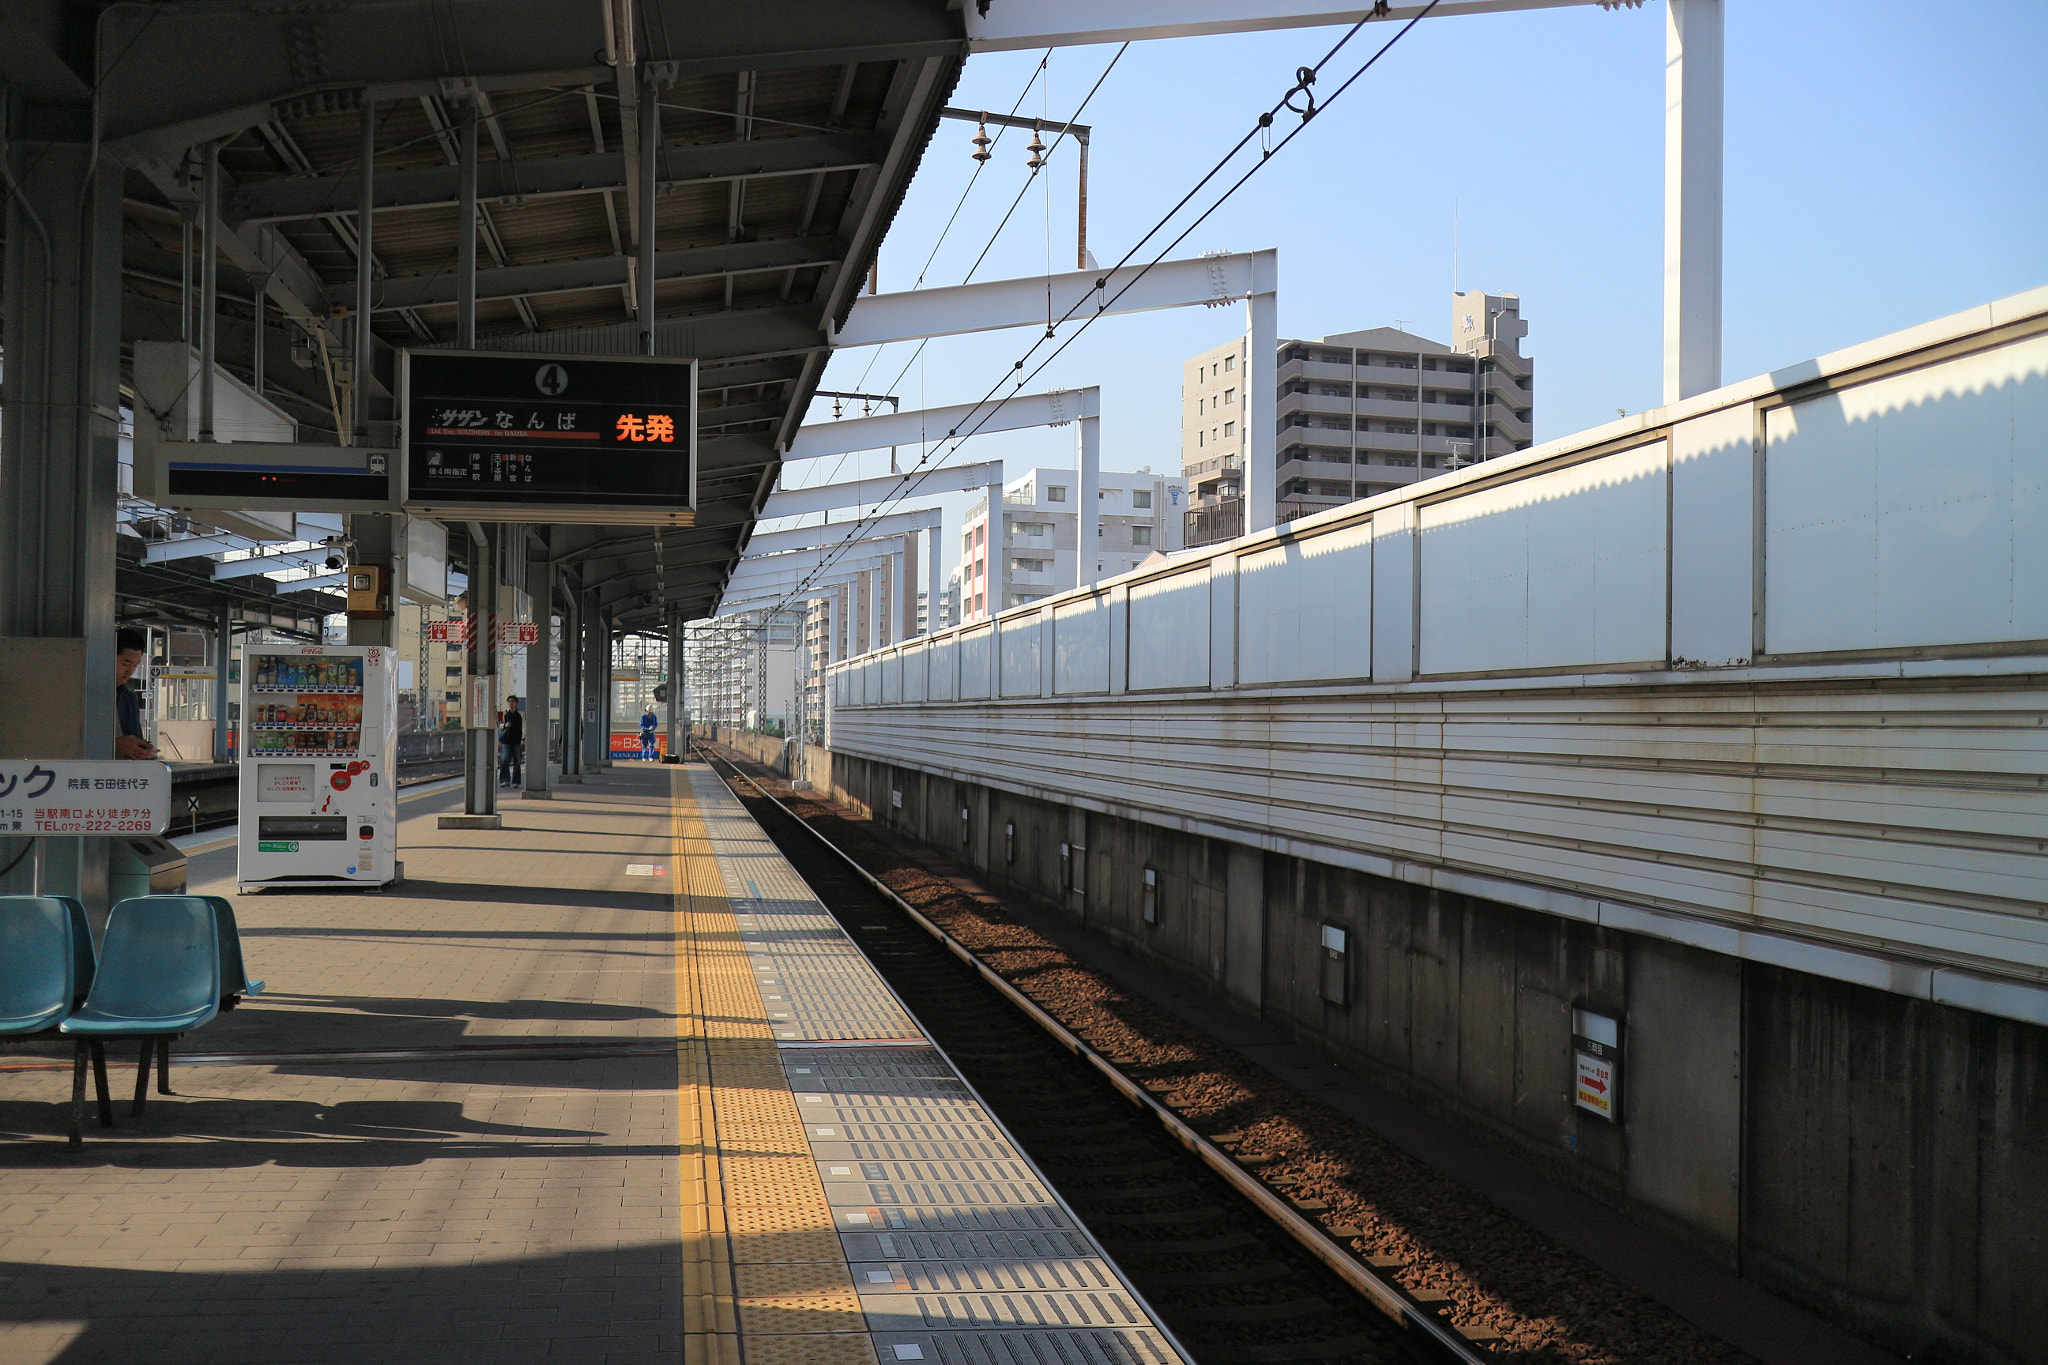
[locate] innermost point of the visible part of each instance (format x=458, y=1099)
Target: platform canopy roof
x=789, y=129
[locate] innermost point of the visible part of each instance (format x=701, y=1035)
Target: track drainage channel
x=1228, y=1282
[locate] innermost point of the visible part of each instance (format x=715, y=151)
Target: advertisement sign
x=1596, y=1058
x=65, y=797
x=1595, y=1090
x=483, y=702
x=284, y=781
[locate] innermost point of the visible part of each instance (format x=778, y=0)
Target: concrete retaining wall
x=1880, y=1158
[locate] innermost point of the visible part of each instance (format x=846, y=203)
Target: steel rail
x=1311, y=1236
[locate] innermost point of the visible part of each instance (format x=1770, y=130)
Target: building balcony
x=1312, y=402
x=1209, y=525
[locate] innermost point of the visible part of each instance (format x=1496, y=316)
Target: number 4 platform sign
x=62, y=797
x=506, y=436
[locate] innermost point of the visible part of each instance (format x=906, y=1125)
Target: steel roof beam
x=927, y=483
x=1055, y=408
x=194, y=72
x=913, y=315
x=833, y=533
x=1067, y=23
x=610, y=272
x=302, y=197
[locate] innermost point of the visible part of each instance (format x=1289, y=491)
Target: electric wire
x=1305, y=78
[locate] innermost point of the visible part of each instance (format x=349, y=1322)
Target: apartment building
x=1034, y=550
x=949, y=607
x=1358, y=413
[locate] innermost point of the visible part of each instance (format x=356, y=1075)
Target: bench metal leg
x=78, y=1063
x=163, y=1066
x=142, y=1075
x=99, y=1076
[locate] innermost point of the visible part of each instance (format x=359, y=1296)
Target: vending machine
x=319, y=790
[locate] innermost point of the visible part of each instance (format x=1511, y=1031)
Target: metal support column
x=1693, y=48
x=379, y=543
x=1087, y=567
x=365, y=270
x=209, y=283
x=572, y=683
x=650, y=155
x=540, y=574
x=906, y=593
x=59, y=452
x=1261, y=363
x=597, y=670
x=675, y=683
x=995, y=531
x=932, y=591
x=465, y=231
x=480, y=715
x=223, y=652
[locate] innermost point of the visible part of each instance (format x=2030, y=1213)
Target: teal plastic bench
x=159, y=977
x=234, y=975
x=46, y=971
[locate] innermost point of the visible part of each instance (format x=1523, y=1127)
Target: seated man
x=130, y=646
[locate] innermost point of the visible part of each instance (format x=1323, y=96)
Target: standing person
x=511, y=743
x=130, y=646
x=648, y=751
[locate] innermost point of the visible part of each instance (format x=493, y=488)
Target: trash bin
x=145, y=865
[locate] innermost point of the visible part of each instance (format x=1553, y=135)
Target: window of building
x=1229, y=430
x=1229, y=363
x=1141, y=535
x=1201, y=437
x=1141, y=497
x=1229, y=397
x=1055, y=492
x=454, y=672
x=1198, y=406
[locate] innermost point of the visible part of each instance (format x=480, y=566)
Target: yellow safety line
x=764, y=1276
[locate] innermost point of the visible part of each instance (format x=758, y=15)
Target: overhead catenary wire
x=1305, y=78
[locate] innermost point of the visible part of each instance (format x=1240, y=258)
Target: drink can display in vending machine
x=318, y=784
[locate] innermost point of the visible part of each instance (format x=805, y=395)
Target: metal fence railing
x=1218, y=522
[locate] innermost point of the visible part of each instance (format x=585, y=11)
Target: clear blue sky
x=1886, y=163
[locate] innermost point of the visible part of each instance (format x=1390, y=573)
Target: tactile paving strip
x=965, y=1255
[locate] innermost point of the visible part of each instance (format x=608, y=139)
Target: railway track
x=1235, y=1271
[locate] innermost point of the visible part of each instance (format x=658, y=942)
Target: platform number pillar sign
x=1596, y=1060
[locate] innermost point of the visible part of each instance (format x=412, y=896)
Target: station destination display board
x=505, y=436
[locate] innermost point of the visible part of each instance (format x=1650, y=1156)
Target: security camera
x=339, y=548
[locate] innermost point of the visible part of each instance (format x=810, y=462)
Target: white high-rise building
x=1359, y=413
x=1035, y=549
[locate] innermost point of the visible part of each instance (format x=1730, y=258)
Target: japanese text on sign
x=63, y=797
x=655, y=426
x=1596, y=1085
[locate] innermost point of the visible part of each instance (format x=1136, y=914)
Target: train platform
x=605, y=1085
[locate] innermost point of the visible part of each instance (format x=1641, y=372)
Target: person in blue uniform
x=649, y=749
